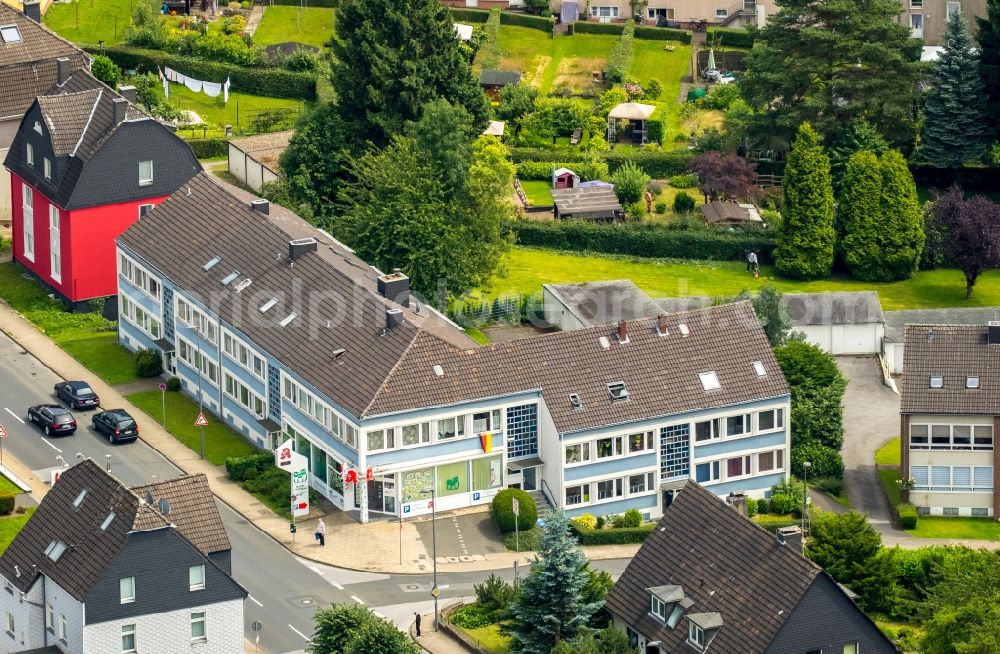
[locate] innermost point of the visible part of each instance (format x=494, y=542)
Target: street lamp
x=805, y=491
x=435, y=591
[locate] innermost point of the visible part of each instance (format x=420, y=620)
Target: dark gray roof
x=491, y=77
x=725, y=564
x=67, y=116
x=896, y=321
x=28, y=66
x=837, y=308
x=727, y=212
x=192, y=510
x=600, y=303
x=589, y=202
x=953, y=352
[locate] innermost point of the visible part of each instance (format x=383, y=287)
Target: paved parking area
x=469, y=534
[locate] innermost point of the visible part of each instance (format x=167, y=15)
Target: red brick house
x=85, y=164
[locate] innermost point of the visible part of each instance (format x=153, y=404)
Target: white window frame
x=236, y=390
x=144, y=209
x=917, y=25
x=617, y=447
x=248, y=359
x=458, y=425
x=50, y=618
x=584, y=456
x=137, y=316
x=28, y=228
x=196, y=577
x=586, y=497
x=148, y=180
x=199, y=617
x=423, y=433
x=61, y=627
x=10, y=34
x=47, y=168
x=128, y=631
x=929, y=444
x=11, y=628
x=721, y=13
x=656, y=603
x=617, y=490
x=29, y=154
x=779, y=420
x=747, y=461
x=196, y=359
x=55, y=244
x=126, y=590
x=388, y=439
x=696, y=636
x=140, y=277
x=951, y=7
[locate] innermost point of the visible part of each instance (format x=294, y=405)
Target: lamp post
x=805, y=491
x=435, y=591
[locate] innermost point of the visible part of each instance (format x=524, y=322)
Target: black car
x=52, y=418
x=117, y=424
x=77, y=394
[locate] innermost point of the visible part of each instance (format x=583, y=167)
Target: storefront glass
x=487, y=473
x=453, y=478
x=415, y=482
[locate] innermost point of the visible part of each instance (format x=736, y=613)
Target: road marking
x=251, y=598
x=52, y=446
x=317, y=570
x=379, y=614
x=299, y=633
x=337, y=586
x=16, y=417
x=357, y=599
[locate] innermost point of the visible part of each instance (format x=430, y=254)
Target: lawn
x=87, y=337
x=90, y=21
x=238, y=112
x=537, y=192
x=309, y=25
x=528, y=268
x=487, y=638
x=7, y=486
x=477, y=336
x=220, y=441
x=956, y=527
x=10, y=525
x=889, y=454
x=776, y=522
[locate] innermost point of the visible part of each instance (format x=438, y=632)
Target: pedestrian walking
x=417, y=623
x=752, y=263
x=649, y=202
x=321, y=533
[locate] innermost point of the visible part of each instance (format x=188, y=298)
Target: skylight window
x=10, y=34
x=55, y=550
x=107, y=521
x=264, y=308
x=575, y=401
x=618, y=391
x=211, y=263
x=228, y=279
x=709, y=380
x=79, y=498
x=288, y=319
x=683, y=329
x=759, y=369
x=937, y=381
x=972, y=382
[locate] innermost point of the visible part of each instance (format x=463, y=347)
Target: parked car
x=77, y=394
x=52, y=418
x=116, y=424
x=663, y=21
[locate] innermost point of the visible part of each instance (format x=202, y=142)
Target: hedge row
x=658, y=165
x=616, y=67
x=907, y=515
x=241, y=468
x=641, y=32
x=542, y=170
x=586, y=27
x=209, y=148
x=733, y=38
x=270, y=81
x=506, y=18
x=6, y=503
x=490, y=48
x=643, y=240
x=622, y=536
x=328, y=4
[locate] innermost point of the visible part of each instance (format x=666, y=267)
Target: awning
x=164, y=345
x=520, y=464
x=674, y=484
x=269, y=425
x=632, y=111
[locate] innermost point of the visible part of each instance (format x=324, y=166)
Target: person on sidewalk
x=417, y=623
x=321, y=533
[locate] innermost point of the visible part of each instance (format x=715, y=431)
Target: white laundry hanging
x=211, y=89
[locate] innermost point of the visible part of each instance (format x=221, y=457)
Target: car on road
x=77, y=394
x=52, y=418
x=116, y=424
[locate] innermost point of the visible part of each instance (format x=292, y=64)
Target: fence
x=248, y=122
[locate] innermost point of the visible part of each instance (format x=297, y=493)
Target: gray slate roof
x=896, y=321
x=492, y=77
x=600, y=303
x=589, y=202
x=953, y=352
x=67, y=116
x=837, y=308
x=726, y=564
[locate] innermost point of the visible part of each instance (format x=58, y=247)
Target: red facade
x=85, y=267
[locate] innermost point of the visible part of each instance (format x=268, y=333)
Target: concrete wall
x=248, y=170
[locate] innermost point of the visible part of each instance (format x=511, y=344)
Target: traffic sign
x=435, y=591
x=163, y=386
x=516, y=506
x=255, y=626
x=3, y=432
x=201, y=421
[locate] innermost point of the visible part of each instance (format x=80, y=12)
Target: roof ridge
x=385, y=382
x=86, y=127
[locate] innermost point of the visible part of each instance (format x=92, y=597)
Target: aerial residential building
x=949, y=417
x=284, y=333
x=85, y=164
x=928, y=19
x=101, y=568
x=707, y=579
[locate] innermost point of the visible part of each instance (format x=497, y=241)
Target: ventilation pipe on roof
x=120, y=104
x=299, y=246
x=62, y=64
x=393, y=318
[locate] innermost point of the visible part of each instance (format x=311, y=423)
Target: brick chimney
x=790, y=537
x=661, y=325
x=622, y=331
x=739, y=503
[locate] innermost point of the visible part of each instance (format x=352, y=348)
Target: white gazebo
x=635, y=113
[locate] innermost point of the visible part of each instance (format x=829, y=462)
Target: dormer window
x=658, y=608
x=696, y=637
x=937, y=381
x=972, y=382
x=702, y=629
x=145, y=173
x=675, y=615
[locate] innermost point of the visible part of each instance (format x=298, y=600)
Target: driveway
x=871, y=418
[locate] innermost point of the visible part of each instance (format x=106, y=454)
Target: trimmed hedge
x=623, y=536
x=6, y=503
x=502, y=510
x=658, y=165
x=270, y=81
x=643, y=240
x=542, y=170
x=662, y=34
x=541, y=23
x=907, y=514
x=733, y=38
x=326, y=4
x=209, y=148
x=587, y=27
x=241, y=468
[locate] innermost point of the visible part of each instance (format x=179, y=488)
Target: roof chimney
x=661, y=325
x=299, y=246
x=262, y=206
x=993, y=336
x=395, y=287
x=739, y=503
x=33, y=10
x=120, y=105
x=790, y=537
x=393, y=318
x=622, y=331
x=62, y=65
x=128, y=92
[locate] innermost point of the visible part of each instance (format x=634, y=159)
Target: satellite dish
x=149, y=497
x=164, y=506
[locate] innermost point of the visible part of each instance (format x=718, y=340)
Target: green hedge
x=658, y=165
x=542, y=170
x=270, y=81
x=6, y=503
x=643, y=240
x=461, y=14
x=733, y=38
x=662, y=34
x=971, y=179
x=907, y=514
x=241, y=468
x=209, y=148
x=586, y=27
x=624, y=536
x=328, y=4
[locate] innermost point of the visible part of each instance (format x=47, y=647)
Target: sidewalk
x=435, y=642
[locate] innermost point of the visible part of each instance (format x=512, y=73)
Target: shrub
x=105, y=70
x=494, y=596
x=502, y=510
x=826, y=461
x=461, y=14
x=683, y=203
x=632, y=518
x=148, y=363
x=660, y=208
x=733, y=38
x=209, y=148
x=6, y=503
x=586, y=27
x=234, y=24
x=471, y=616
x=616, y=67
x=782, y=503
x=656, y=126
x=619, y=536
x=751, y=507
x=654, y=89
x=587, y=170
x=174, y=384
x=688, y=180
x=762, y=506
x=601, y=521
x=907, y=515
x=656, y=164
x=586, y=521
x=721, y=96
x=831, y=485
x=241, y=468
x=662, y=34
x=630, y=183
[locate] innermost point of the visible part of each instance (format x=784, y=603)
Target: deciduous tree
x=630, y=183
x=313, y=164
x=971, y=230
x=516, y=102
x=806, y=235
x=724, y=177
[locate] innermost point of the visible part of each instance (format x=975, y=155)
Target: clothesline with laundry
x=211, y=89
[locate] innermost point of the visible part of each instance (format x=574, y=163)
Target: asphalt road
x=284, y=590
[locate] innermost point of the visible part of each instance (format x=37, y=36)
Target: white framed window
x=768, y=461
x=10, y=624
x=916, y=4
x=641, y=483
x=146, y=172
x=415, y=434
x=708, y=430
x=55, y=245
x=738, y=425
x=126, y=589
x=721, y=13
x=198, y=631
x=193, y=357
x=61, y=627
x=609, y=447
x=451, y=428
x=138, y=316
x=738, y=467
x=951, y=437
x=953, y=8
x=604, y=12
x=243, y=355
x=242, y=394
x=128, y=638
x=28, y=228
x=29, y=154
x=578, y=453
x=707, y=472
x=770, y=420
x=10, y=33
x=486, y=421
x=144, y=209
x=47, y=167
x=50, y=618
x=917, y=25
x=658, y=608
x=696, y=636
x=609, y=489
x=640, y=442
x=196, y=577
x=381, y=439
x=959, y=479
x=578, y=494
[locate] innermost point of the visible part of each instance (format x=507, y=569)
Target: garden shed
x=593, y=203
x=730, y=213
x=493, y=80
x=636, y=114
x=564, y=178
x=254, y=159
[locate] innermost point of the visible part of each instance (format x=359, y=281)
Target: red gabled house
x=86, y=164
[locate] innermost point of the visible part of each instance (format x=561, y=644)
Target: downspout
x=45, y=608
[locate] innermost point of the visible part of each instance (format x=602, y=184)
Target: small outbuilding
x=493, y=80
x=592, y=203
x=840, y=322
x=564, y=178
x=463, y=31
x=636, y=114
x=254, y=159
x=730, y=213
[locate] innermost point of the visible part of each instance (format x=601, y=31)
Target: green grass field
x=309, y=25
x=487, y=638
x=238, y=112
x=10, y=525
x=7, y=486
x=956, y=527
x=889, y=454
x=537, y=192
x=90, y=21
x=220, y=441
x=528, y=268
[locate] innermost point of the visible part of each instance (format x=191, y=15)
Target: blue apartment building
x=284, y=332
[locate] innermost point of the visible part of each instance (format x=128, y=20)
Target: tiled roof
x=725, y=564
x=952, y=352
x=67, y=116
x=600, y=303
x=730, y=211
x=265, y=148
x=594, y=201
x=192, y=511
